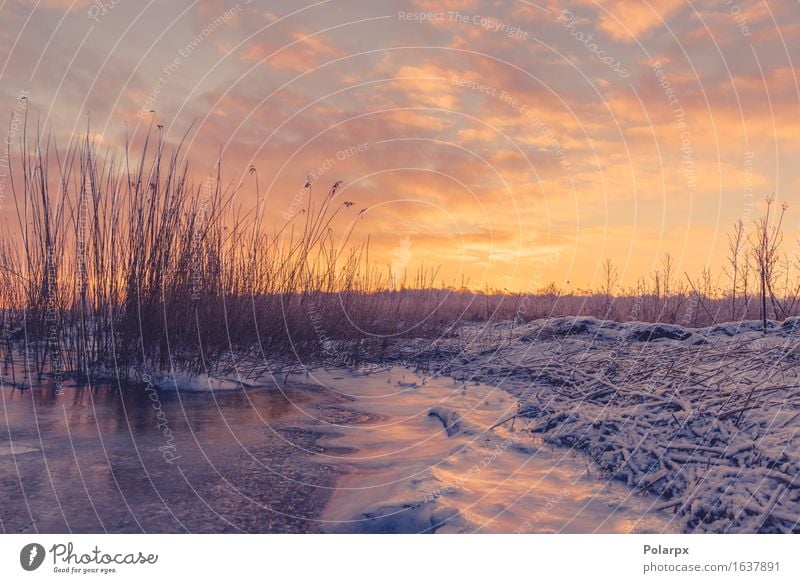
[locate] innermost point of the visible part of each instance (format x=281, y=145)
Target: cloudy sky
x=510, y=143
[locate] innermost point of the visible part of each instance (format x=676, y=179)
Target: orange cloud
x=301, y=53
x=627, y=20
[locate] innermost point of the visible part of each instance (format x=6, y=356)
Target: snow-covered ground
x=705, y=419
x=652, y=420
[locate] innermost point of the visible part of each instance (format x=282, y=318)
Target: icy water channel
x=429, y=463
x=330, y=451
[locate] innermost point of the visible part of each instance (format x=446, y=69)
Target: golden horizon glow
x=509, y=145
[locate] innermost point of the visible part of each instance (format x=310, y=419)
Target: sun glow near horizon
x=507, y=146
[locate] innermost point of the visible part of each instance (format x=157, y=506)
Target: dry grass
x=117, y=262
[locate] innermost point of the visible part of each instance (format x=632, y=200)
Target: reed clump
x=113, y=262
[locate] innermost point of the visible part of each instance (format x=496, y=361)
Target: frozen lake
x=95, y=460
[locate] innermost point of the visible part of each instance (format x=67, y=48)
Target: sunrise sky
x=511, y=143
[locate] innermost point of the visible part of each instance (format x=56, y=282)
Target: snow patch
x=706, y=419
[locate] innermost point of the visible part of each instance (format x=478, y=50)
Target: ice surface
x=430, y=464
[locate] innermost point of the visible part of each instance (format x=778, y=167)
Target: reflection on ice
x=429, y=464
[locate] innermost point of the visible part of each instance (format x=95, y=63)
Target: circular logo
x=31, y=556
